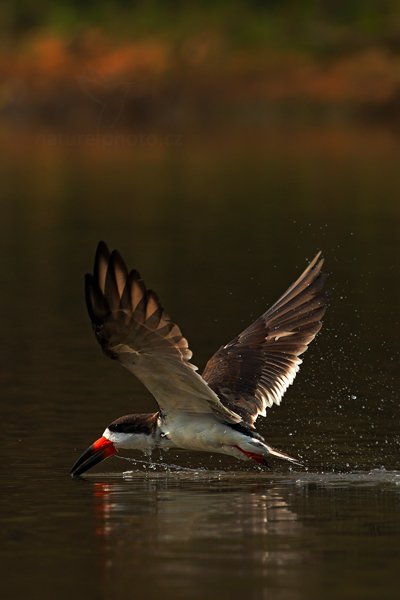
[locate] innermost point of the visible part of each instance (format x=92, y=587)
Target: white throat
x=134, y=441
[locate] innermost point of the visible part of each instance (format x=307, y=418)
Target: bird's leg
x=254, y=456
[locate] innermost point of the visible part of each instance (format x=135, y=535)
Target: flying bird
x=217, y=410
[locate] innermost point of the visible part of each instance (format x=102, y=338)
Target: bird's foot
x=259, y=458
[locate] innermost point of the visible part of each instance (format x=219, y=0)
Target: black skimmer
x=212, y=412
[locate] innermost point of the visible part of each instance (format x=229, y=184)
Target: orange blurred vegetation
x=67, y=79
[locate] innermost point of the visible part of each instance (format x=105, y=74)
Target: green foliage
x=309, y=23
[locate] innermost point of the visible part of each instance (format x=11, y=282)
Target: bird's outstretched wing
x=255, y=369
x=132, y=327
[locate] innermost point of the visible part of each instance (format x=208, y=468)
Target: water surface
x=219, y=227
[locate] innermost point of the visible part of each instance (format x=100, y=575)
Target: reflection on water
x=185, y=534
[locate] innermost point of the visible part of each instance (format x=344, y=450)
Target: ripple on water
x=146, y=470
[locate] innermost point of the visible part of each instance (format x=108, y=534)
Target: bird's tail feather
x=261, y=452
x=283, y=456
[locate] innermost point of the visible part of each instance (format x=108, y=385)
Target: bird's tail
x=260, y=452
x=282, y=456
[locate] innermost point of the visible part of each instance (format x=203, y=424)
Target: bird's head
x=134, y=432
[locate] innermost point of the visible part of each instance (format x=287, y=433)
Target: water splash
x=155, y=466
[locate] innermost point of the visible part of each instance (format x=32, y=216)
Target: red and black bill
x=98, y=451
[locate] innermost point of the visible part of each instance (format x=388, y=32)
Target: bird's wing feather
x=254, y=370
x=132, y=327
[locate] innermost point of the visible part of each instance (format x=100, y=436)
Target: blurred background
x=106, y=64
x=218, y=145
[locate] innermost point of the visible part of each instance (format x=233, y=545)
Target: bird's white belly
x=198, y=432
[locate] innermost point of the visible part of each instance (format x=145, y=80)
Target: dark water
x=219, y=227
